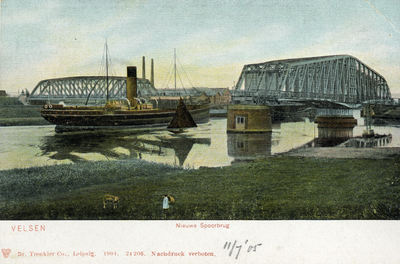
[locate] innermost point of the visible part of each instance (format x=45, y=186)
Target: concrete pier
x=335, y=123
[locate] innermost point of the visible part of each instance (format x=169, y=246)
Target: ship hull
x=69, y=117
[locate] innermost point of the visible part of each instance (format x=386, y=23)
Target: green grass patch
x=10, y=101
x=28, y=121
x=277, y=188
x=14, y=113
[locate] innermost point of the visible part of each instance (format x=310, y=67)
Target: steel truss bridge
x=340, y=79
x=86, y=88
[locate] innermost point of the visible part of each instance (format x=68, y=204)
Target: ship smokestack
x=152, y=73
x=131, y=85
x=144, y=69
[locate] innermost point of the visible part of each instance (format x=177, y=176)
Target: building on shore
x=249, y=119
x=3, y=93
x=213, y=96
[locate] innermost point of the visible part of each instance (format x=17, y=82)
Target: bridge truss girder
x=92, y=87
x=341, y=78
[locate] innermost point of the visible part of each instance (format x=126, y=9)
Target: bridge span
x=339, y=79
x=86, y=88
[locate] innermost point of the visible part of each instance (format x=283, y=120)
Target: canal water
x=207, y=145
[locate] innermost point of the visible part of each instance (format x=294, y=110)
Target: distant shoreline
x=27, y=121
x=14, y=113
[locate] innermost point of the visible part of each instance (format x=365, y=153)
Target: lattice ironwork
x=340, y=78
x=84, y=87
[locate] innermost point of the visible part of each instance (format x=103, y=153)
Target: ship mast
x=175, y=68
x=106, y=69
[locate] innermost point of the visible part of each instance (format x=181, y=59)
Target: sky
x=213, y=39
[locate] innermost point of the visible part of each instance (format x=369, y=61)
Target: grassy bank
x=28, y=121
x=14, y=113
x=272, y=189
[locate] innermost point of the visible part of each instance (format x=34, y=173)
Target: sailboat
x=182, y=119
x=136, y=114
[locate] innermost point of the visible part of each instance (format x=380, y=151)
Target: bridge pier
x=335, y=125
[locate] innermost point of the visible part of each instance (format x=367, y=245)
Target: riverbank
x=14, y=113
x=27, y=121
x=344, y=153
x=275, y=188
x=314, y=183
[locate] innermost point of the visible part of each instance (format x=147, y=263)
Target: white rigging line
x=106, y=66
x=186, y=75
x=174, y=70
x=179, y=76
x=168, y=75
x=102, y=71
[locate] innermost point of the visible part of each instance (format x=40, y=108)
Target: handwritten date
x=232, y=247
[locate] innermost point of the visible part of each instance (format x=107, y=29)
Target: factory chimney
x=131, y=85
x=152, y=73
x=143, y=69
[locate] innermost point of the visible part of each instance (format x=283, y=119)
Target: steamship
x=134, y=115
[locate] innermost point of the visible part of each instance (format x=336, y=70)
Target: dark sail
x=182, y=117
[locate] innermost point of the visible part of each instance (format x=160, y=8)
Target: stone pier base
x=335, y=126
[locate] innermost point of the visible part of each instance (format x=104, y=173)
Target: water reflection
x=360, y=142
x=355, y=142
x=116, y=145
x=208, y=145
x=180, y=144
x=245, y=147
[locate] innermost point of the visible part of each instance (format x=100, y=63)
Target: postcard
x=199, y=131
